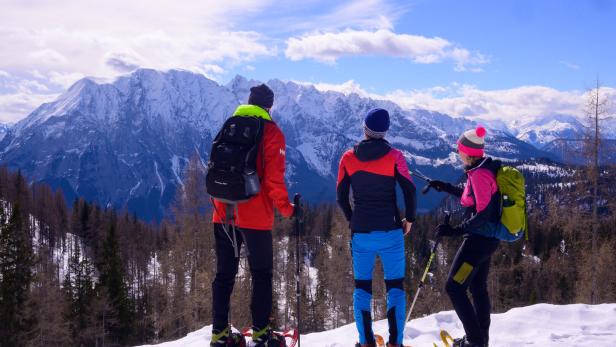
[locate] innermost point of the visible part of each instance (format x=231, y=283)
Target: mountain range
x=126, y=143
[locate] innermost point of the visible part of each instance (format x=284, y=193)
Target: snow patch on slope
x=160, y=180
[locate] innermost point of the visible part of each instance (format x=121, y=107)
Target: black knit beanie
x=261, y=95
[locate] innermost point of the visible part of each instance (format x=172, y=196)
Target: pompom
x=480, y=131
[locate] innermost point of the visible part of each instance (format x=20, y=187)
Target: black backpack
x=232, y=168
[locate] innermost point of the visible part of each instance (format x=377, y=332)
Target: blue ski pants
x=389, y=246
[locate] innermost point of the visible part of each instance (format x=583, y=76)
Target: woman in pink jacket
x=469, y=269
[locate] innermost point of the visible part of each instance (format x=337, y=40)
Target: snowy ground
x=540, y=325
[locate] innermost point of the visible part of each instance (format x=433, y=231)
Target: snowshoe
x=269, y=338
x=226, y=339
x=276, y=340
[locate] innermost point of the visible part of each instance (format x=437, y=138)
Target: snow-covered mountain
x=555, y=133
x=542, y=325
x=4, y=128
x=542, y=131
x=126, y=143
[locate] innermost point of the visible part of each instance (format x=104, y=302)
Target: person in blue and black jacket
x=372, y=168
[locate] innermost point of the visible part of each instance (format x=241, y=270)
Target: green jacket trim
x=252, y=111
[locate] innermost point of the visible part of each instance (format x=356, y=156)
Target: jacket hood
x=486, y=163
x=371, y=149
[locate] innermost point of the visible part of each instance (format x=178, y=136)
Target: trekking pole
x=423, y=278
x=420, y=175
x=298, y=221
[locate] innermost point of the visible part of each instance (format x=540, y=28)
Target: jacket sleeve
x=483, y=185
x=453, y=190
x=343, y=185
x=403, y=177
x=274, y=150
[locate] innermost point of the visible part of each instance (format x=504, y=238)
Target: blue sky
x=562, y=44
x=493, y=59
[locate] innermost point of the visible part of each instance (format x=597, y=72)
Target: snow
x=549, y=170
x=160, y=180
x=54, y=129
x=313, y=275
x=312, y=157
x=452, y=159
x=542, y=325
x=132, y=190
x=416, y=144
x=176, y=169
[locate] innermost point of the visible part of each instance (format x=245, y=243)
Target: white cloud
x=365, y=14
x=102, y=54
x=116, y=36
x=346, y=88
x=509, y=105
x=522, y=103
x=14, y=106
x=293, y=17
x=328, y=47
x=19, y=96
x=570, y=65
x=57, y=43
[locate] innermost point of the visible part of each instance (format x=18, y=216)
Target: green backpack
x=513, y=223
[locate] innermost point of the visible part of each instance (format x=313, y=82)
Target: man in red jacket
x=253, y=221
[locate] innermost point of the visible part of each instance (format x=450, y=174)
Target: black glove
x=446, y=230
x=439, y=186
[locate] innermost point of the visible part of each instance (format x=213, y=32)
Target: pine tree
x=79, y=291
x=16, y=262
x=112, y=280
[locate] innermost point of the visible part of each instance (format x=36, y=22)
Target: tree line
x=93, y=276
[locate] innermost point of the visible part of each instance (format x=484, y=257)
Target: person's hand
x=439, y=186
x=446, y=230
x=406, y=226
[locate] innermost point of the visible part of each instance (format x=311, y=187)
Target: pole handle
x=297, y=208
x=296, y=198
x=426, y=189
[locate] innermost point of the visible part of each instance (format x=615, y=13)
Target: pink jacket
x=480, y=182
x=481, y=198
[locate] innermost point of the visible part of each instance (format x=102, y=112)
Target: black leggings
x=259, y=247
x=469, y=270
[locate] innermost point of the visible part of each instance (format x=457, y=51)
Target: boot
x=465, y=342
x=266, y=337
x=226, y=338
x=365, y=345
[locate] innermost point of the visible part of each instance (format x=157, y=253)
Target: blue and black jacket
x=372, y=169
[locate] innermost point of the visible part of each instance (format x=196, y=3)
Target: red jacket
x=258, y=212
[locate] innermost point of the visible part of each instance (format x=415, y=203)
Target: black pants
x=469, y=270
x=259, y=249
